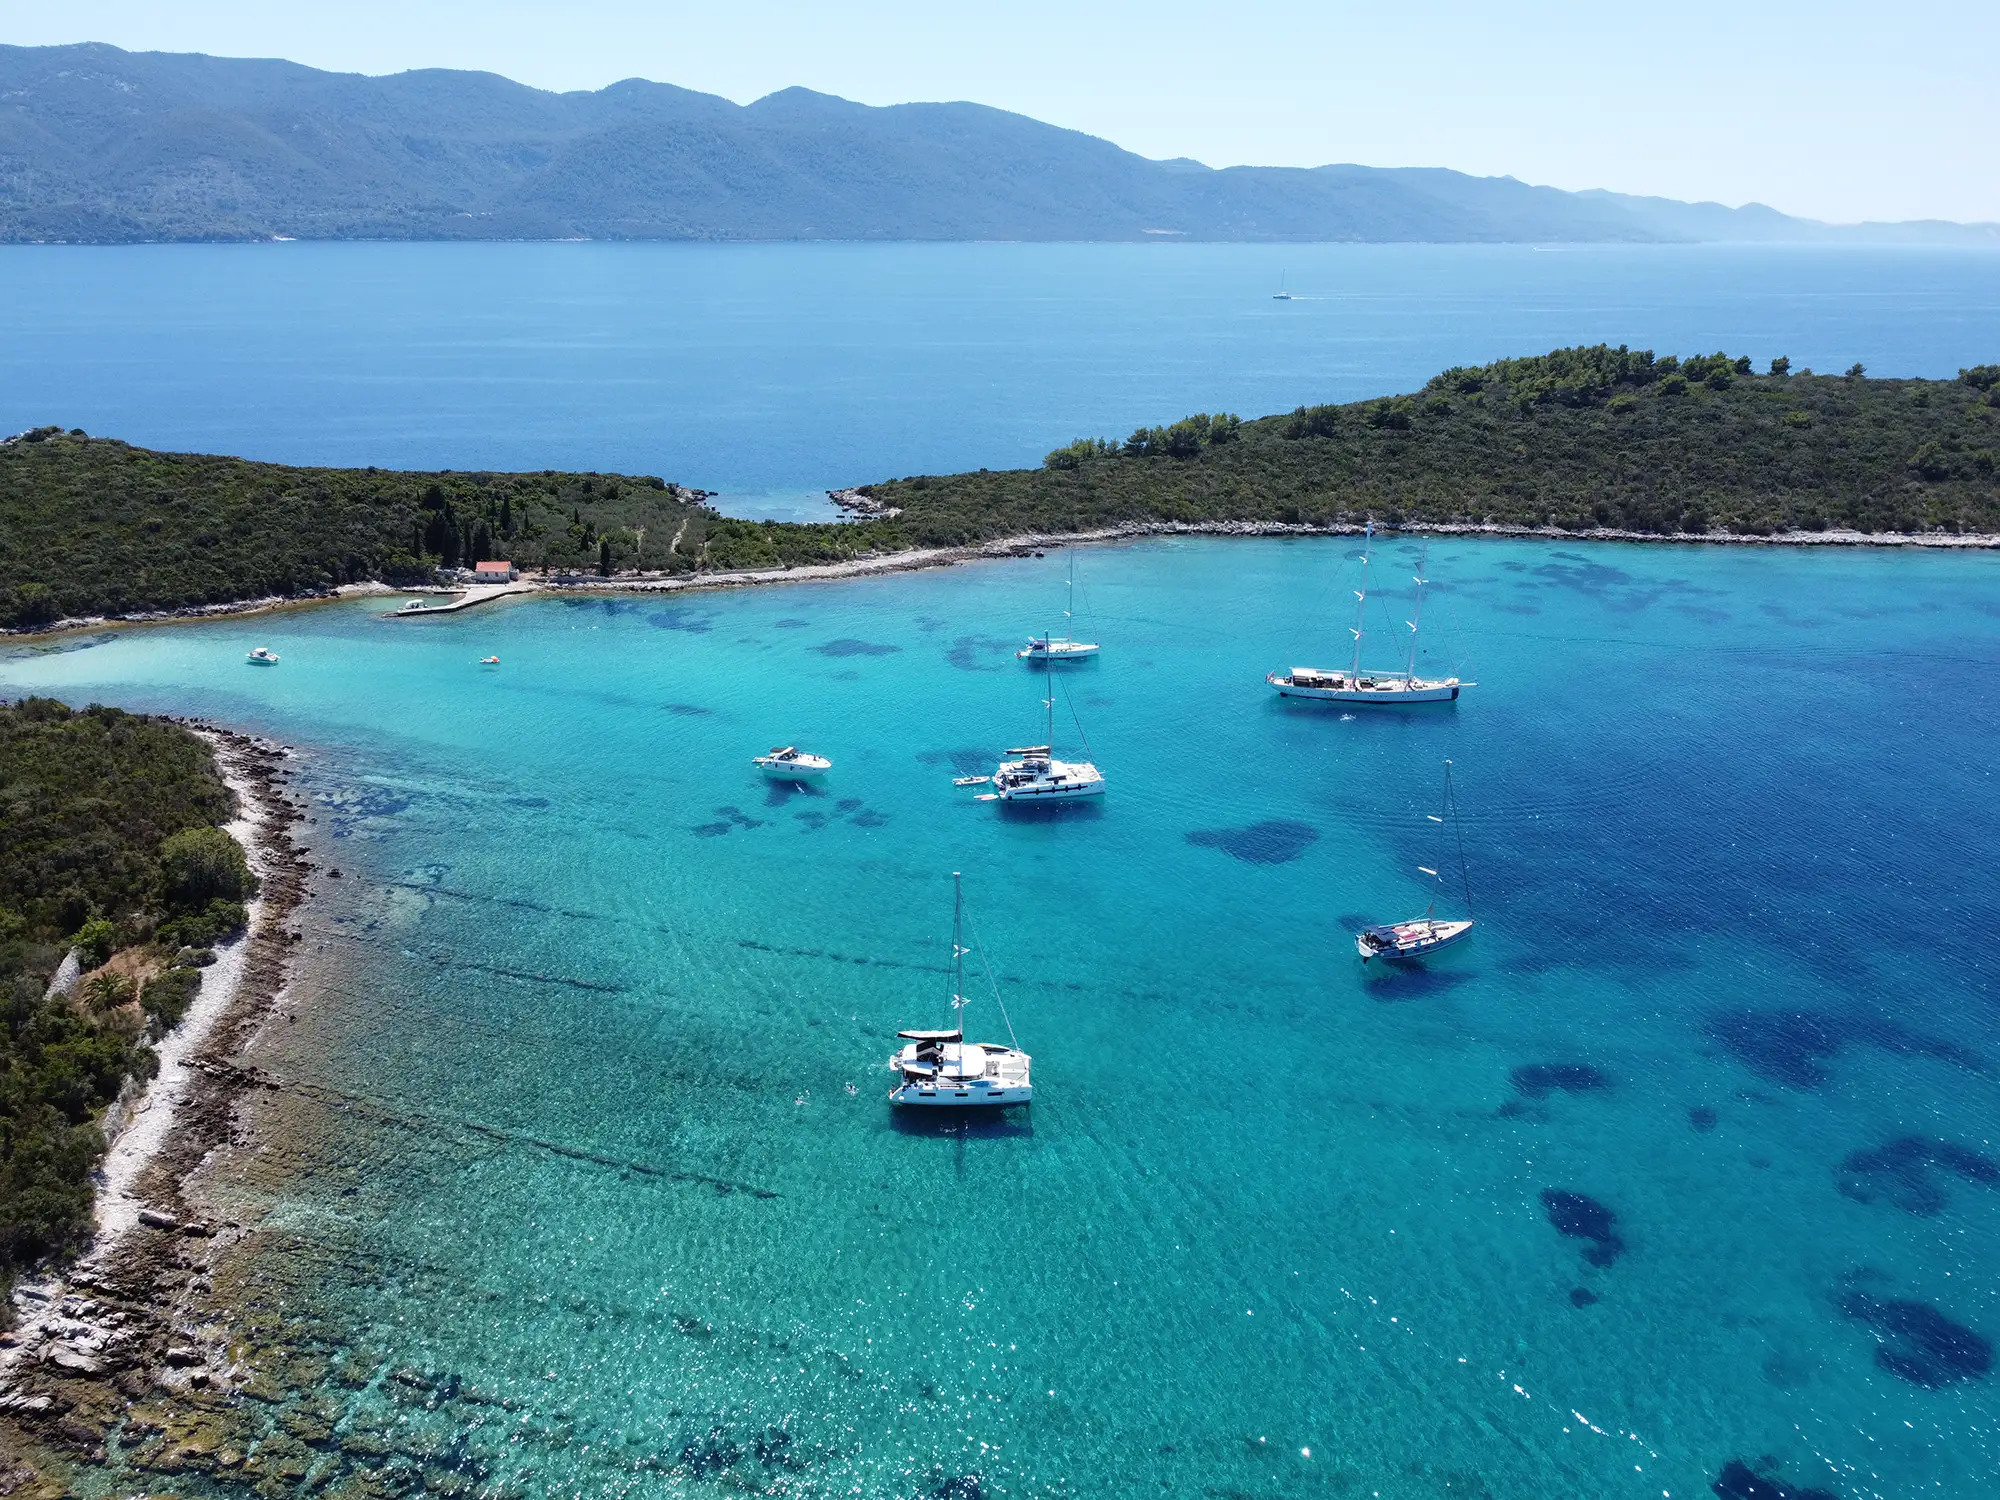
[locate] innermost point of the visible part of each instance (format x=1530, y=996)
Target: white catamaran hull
x=979, y=1093
x=1052, y=791
x=1375, y=692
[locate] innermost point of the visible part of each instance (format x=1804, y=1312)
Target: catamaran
x=1047, y=648
x=790, y=763
x=1426, y=934
x=940, y=1069
x=1380, y=689
x=1035, y=775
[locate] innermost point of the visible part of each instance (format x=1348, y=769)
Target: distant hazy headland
x=105, y=146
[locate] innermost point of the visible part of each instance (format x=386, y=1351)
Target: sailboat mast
x=1069, y=613
x=1451, y=811
x=958, y=953
x=1410, y=672
x=1049, y=703
x=1361, y=598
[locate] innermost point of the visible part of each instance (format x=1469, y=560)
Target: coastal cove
x=549, y=1178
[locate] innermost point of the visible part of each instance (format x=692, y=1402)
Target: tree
x=1856, y=370
x=604, y=558
x=200, y=865
x=1781, y=366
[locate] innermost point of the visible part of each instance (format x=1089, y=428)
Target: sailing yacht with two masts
x=1424, y=935
x=940, y=1069
x=1376, y=689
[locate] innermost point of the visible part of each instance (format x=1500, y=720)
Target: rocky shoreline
x=935, y=557
x=120, y=1333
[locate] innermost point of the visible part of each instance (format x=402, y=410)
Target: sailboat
x=940, y=1069
x=1046, y=648
x=1424, y=935
x=1035, y=776
x=1281, y=294
x=1379, y=689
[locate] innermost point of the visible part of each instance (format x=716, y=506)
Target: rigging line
x=1076, y=721
x=1458, y=830
x=980, y=949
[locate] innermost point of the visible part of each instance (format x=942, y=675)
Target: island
x=1591, y=442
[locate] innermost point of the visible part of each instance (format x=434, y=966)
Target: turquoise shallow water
x=586, y=1002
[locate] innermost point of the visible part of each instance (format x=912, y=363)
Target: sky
x=1835, y=110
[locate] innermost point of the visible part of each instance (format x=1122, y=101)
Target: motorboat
x=790, y=763
x=940, y=1069
x=1422, y=936
x=1389, y=688
x=263, y=658
x=489, y=661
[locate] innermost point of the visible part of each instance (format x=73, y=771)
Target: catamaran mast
x=1410, y=672
x=1361, y=599
x=958, y=954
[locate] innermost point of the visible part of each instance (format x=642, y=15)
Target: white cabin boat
x=940, y=1069
x=263, y=658
x=1381, y=689
x=1060, y=648
x=1421, y=936
x=789, y=763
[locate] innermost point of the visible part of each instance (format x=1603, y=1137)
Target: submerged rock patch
x=1916, y=1342
x=1277, y=841
x=1792, y=1047
x=848, y=645
x=688, y=710
x=1539, y=1080
x=680, y=617
x=1909, y=1172
x=1738, y=1481
x=1578, y=1216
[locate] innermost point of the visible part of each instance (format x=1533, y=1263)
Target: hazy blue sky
x=1835, y=109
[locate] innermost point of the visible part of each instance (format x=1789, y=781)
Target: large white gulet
x=1061, y=648
x=1035, y=776
x=1376, y=689
x=1426, y=934
x=940, y=1069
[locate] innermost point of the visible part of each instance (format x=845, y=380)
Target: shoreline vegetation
x=108, y=1316
x=1584, y=444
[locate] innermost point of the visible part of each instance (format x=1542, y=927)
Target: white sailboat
x=1424, y=935
x=1036, y=776
x=1048, y=648
x=940, y=1069
x=1377, y=689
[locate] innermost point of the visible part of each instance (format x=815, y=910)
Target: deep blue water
x=581, y=1016
x=774, y=372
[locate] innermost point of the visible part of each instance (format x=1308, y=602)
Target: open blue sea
x=772, y=373
x=1687, y=1158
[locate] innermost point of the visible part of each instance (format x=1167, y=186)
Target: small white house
x=494, y=572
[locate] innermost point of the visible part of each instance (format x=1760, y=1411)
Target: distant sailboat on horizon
x=1282, y=294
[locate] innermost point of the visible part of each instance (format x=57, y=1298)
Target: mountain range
x=102, y=145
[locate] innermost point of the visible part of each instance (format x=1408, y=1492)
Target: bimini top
x=932, y=1036
x=1029, y=750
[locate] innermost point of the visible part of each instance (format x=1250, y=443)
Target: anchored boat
x=261, y=658
x=1377, y=689
x=1058, y=648
x=1035, y=775
x=1421, y=936
x=790, y=763
x=940, y=1069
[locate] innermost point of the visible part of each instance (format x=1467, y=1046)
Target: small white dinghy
x=1422, y=936
x=262, y=658
x=941, y=1069
x=790, y=763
